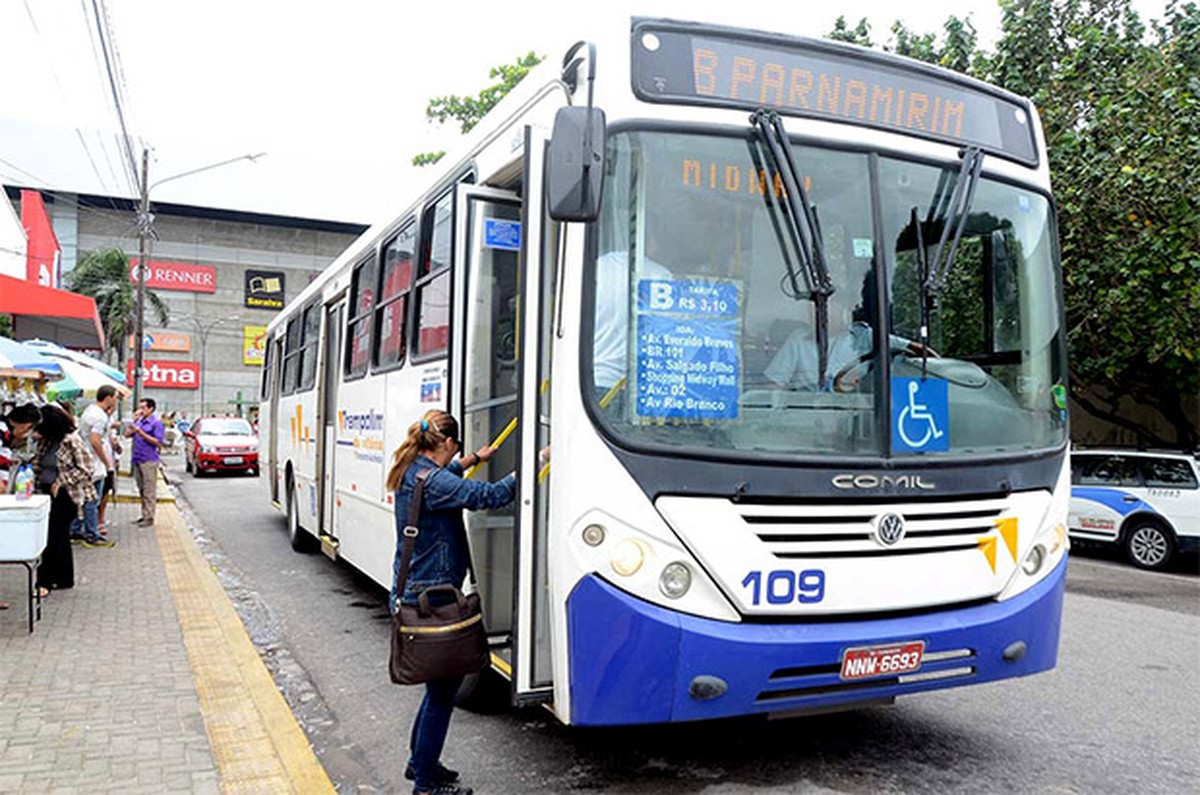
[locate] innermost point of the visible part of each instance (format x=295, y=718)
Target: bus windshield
x=704, y=323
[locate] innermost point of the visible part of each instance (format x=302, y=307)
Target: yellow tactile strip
x=257, y=744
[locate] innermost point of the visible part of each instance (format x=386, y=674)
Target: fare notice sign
x=688, y=349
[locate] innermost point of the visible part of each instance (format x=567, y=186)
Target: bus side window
x=395, y=279
x=291, y=357
x=268, y=382
x=432, y=293
x=308, y=351
x=362, y=301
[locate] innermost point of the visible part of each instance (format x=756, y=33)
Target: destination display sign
x=801, y=77
x=688, y=349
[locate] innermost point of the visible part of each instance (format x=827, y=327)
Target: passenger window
x=308, y=354
x=362, y=301
x=433, y=313
x=1168, y=473
x=395, y=281
x=431, y=296
x=1106, y=471
x=291, y=360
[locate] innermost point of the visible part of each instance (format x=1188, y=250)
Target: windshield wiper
x=805, y=229
x=948, y=206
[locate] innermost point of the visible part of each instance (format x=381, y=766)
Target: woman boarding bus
x=790, y=312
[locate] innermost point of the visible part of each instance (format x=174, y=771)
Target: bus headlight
x=628, y=557
x=1034, y=560
x=675, y=580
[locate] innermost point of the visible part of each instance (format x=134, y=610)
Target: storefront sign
x=254, y=345
x=164, y=341
x=179, y=276
x=264, y=289
x=161, y=374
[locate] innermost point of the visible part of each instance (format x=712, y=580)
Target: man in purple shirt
x=147, y=432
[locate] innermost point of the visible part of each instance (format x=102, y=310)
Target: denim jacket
x=439, y=557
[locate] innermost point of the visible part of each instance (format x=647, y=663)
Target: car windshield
x=705, y=331
x=222, y=427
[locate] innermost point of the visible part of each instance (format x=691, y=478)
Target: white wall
x=12, y=240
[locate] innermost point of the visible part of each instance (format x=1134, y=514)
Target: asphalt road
x=1121, y=712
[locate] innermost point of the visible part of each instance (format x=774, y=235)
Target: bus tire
x=300, y=540
x=1149, y=545
x=484, y=693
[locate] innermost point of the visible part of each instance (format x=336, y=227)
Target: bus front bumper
x=635, y=662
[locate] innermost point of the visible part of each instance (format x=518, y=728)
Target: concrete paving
x=141, y=678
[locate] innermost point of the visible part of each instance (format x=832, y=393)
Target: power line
x=102, y=29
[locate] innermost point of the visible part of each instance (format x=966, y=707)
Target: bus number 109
x=784, y=586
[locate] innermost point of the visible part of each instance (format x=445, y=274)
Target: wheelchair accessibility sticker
x=920, y=415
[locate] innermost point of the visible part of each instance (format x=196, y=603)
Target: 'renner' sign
x=180, y=276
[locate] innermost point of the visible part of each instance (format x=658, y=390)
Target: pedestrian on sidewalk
x=439, y=558
x=63, y=468
x=93, y=429
x=147, y=432
x=112, y=446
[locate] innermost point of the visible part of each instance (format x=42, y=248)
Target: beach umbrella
x=64, y=388
x=18, y=356
x=61, y=354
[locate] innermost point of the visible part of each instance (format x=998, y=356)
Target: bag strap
x=410, y=529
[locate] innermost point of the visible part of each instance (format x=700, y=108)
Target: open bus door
x=495, y=390
x=275, y=386
x=331, y=377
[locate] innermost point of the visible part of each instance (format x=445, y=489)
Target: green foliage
x=1120, y=106
x=861, y=35
x=104, y=276
x=6, y=326
x=467, y=110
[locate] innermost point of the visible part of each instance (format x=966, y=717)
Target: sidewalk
x=141, y=678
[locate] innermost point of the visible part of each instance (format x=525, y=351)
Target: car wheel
x=1149, y=545
x=299, y=539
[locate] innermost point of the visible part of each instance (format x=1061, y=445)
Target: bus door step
x=329, y=545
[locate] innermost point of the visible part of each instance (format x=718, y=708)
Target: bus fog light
x=628, y=557
x=593, y=535
x=1034, y=560
x=675, y=580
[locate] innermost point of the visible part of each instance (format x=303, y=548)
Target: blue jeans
x=429, y=731
x=89, y=525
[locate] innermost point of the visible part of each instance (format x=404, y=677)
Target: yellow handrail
x=499, y=440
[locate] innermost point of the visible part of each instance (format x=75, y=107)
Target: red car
x=221, y=444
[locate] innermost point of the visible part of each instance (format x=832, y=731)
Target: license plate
x=870, y=661
x=233, y=459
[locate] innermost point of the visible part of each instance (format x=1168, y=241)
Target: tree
x=467, y=111
x=104, y=276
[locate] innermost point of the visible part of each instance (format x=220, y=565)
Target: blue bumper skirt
x=635, y=662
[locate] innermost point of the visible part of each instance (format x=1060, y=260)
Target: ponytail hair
x=426, y=433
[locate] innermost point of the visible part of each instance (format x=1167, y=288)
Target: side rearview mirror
x=575, y=164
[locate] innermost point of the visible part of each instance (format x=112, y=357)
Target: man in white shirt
x=93, y=427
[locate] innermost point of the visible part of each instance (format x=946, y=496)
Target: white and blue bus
x=789, y=315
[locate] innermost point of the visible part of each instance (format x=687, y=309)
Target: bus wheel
x=1149, y=545
x=485, y=693
x=300, y=540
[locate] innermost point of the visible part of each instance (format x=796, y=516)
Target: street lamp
x=204, y=327
x=145, y=224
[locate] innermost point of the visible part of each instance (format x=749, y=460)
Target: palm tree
x=103, y=275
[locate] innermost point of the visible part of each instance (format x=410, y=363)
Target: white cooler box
x=23, y=526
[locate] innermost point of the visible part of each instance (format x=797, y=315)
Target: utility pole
x=144, y=230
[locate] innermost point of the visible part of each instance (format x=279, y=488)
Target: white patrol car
x=1146, y=501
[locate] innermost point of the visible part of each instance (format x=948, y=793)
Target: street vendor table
x=24, y=525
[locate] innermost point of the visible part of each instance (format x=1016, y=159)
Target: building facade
x=222, y=274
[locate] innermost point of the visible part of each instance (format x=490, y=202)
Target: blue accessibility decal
x=920, y=415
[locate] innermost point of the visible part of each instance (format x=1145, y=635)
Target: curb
x=255, y=738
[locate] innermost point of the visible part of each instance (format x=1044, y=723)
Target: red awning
x=39, y=312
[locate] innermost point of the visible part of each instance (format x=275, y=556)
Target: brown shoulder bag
x=434, y=642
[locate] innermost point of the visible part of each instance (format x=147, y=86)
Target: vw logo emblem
x=889, y=529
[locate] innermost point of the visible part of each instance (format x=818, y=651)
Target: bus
x=788, y=314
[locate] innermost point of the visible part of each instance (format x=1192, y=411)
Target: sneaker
x=444, y=774
x=102, y=543
x=446, y=789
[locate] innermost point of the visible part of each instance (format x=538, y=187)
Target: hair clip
x=424, y=425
